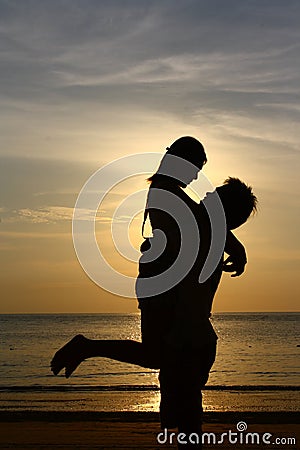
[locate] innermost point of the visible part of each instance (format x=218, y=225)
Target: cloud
x=67, y=44
x=57, y=214
x=52, y=214
x=86, y=81
x=37, y=182
x=83, y=77
x=40, y=191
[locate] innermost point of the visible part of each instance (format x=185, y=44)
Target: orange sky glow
x=73, y=102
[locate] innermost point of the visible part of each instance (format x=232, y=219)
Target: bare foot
x=70, y=356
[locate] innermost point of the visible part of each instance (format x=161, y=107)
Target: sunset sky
x=85, y=82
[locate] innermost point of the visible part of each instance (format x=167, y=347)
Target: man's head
x=238, y=201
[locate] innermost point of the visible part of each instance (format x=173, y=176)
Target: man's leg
x=193, y=377
x=181, y=398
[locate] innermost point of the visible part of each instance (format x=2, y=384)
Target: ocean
x=257, y=364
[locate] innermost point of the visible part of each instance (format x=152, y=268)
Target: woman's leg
x=80, y=348
x=155, y=318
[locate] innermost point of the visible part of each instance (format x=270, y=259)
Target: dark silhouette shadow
x=177, y=336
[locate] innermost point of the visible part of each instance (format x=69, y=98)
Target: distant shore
x=83, y=398
x=39, y=430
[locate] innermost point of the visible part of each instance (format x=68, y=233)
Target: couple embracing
x=175, y=303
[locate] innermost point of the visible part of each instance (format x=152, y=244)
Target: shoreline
x=278, y=417
x=143, y=387
x=108, y=400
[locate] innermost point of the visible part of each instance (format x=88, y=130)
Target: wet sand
x=133, y=430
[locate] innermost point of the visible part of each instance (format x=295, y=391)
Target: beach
x=112, y=405
x=71, y=418
x=135, y=430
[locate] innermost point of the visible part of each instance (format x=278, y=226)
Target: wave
x=130, y=388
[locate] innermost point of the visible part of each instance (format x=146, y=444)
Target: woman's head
x=190, y=149
x=187, y=148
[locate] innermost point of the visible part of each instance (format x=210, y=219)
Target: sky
x=85, y=82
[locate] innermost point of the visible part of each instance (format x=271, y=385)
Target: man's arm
x=237, y=258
